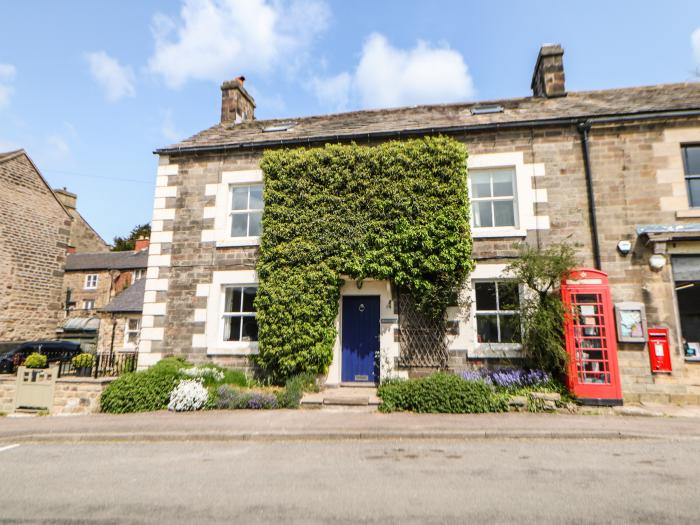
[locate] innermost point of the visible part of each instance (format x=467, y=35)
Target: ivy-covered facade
x=260, y=228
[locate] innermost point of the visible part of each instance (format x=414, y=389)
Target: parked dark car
x=55, y=351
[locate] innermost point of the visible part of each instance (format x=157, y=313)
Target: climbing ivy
x=398, y=211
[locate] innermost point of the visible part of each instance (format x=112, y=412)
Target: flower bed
x=177, y=385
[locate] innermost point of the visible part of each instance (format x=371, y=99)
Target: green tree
x=125, y=244
x=542, y=310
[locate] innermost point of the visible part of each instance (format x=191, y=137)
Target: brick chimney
x=236, y=103
x=548, y=77
x=68, y=199
x=142, y=243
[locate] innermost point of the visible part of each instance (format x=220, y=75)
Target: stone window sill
x=688, y=214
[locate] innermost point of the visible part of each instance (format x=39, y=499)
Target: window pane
x=502, y=183
x=232, y=329
x=503, y=212
x=133, y=324
x=482, y=214
x=692, y=160
x=250, y=329
x=694, y=192
x=510, y=328
x=508, y=297
x=255, y=227
x=256, y=198
x=132, y=337
x=232, y=302
x=239, y=225
x=487, y=329
x=481, y=184
x=485, y=296
x=248, y=297
x=239, y=198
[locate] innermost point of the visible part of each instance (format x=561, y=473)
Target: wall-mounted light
x=624, y=247
x=358, y=283
x=657, y=262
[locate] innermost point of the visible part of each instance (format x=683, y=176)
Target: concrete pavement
x=341, y=424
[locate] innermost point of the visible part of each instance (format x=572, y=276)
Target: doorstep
x=341, y=397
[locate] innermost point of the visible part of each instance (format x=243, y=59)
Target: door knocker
x=361, y=308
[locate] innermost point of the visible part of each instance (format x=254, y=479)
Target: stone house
x=617, y=172
x=92, y=282
x=34, y=235
x=83, y=238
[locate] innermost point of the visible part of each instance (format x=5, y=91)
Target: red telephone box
x=593, y=375
x=659, y=355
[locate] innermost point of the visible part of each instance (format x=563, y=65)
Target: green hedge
x=398, y=211
x=446, y=393
x=138, y=392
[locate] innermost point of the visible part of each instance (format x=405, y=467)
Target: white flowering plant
x=188, y=395
x=203, y=372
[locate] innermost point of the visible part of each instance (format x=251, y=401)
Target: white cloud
x=389, y=77
x=695, y=41
x=219, y=39
x=7, y=77
x=116, y=80
x=167, y=127
x=58, y=146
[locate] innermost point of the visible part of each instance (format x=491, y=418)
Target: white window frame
x=225, y=314
x=247, y=211
x=524, y=193
x=137, y=274
x=498, y=312
x=222, y=213
x=216, y=297
x=91, y=281
x=128, y=331
x=91, y=302
x=512, y=198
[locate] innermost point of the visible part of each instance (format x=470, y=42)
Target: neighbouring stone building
x=83, y=238
x=92, y=283
x=600, y=169
x=34, y=236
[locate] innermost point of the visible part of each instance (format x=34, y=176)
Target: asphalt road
x=383, y=481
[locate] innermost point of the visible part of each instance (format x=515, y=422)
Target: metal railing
x=104, y=364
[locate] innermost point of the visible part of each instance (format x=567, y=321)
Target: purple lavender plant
x=262, y=400
x=508, y=378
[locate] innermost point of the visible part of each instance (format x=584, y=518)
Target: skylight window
x=485, y=110
x=285, y=126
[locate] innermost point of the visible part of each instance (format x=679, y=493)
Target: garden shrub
x=229, y=397
x=188, y=395
x=398, y=211
x=138, y=392
x=512, y=380
x=36, y=360
x=83, y=361
x=440, y=392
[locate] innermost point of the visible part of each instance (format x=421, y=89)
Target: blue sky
x=90, y=89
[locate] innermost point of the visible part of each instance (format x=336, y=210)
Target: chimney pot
x=142, y=243
x=237, y=105
x=548, y=78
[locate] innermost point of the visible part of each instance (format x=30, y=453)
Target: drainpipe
x=114, y=329
x=583, y=129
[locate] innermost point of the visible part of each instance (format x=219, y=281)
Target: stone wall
x=637, y=179
x=83, y=239
x=34, y=232
x=116, y=323
x=71, y=396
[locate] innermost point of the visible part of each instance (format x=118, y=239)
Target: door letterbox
x=659, y=355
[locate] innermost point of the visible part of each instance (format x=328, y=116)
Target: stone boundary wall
x=73, y=395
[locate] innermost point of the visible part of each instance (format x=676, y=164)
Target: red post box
x=659, y=354
x=593, y=375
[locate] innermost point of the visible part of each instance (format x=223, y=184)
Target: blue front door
x=360, y=338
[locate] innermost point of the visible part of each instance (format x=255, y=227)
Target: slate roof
x=434, y=118
x=130, y=300
x=107, y=261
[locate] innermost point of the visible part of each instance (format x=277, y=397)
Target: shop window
x=691, y=163
x=239, y=316
x=497, y=311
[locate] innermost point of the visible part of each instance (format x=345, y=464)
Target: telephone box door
x=593, y=375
